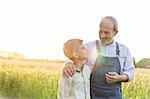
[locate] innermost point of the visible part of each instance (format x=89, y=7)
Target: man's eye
x=100, y=31
x=107, y=33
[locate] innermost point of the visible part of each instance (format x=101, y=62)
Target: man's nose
x=102, y=35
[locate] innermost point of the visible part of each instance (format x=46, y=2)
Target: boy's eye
x=84, y=47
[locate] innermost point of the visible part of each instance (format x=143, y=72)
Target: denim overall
x=100, y=89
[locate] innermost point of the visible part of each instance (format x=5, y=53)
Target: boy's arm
x=64, y=87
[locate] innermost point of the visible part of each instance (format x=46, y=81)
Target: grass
x=39, y=80
x=139, y=88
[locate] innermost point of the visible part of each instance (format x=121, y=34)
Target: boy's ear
x=75, y=55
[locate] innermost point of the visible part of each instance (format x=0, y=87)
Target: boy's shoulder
x=87, y=68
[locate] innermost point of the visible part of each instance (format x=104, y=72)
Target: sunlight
x=38, y=29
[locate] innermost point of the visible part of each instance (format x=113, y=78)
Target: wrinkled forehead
x=106, y=24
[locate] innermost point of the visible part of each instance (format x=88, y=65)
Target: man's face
x=106, y=32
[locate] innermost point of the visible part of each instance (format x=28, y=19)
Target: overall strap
x=97, y=46
x=117, y=49
x=118, y=53
x=98, y=51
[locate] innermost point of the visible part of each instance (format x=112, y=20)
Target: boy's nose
x=86, y=51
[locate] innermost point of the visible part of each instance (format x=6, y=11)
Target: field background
x=38, y=79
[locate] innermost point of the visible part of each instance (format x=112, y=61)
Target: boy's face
x=81, y=52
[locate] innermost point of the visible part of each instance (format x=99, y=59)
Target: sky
x=38, y=28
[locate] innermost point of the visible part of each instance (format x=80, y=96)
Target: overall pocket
x=104, y=91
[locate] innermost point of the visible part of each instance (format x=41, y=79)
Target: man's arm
x=113, y=77
x=69, y=69
x=127, y=72
x=128, y=68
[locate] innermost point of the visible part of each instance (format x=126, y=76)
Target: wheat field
x=30, y=79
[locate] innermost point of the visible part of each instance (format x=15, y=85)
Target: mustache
x=106, y=40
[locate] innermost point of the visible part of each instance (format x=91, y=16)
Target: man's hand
x=69, y=69
x=112, y=77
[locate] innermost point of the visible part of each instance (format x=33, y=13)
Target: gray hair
x=114, y=21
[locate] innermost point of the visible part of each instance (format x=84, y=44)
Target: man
x=111, y=62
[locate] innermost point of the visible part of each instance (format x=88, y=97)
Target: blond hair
x=70, y=47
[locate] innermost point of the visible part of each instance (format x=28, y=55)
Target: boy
x=78, y=86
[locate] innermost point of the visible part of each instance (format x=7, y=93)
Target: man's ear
x=115, y=32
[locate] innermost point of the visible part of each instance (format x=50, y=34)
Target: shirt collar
x=113, y=44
